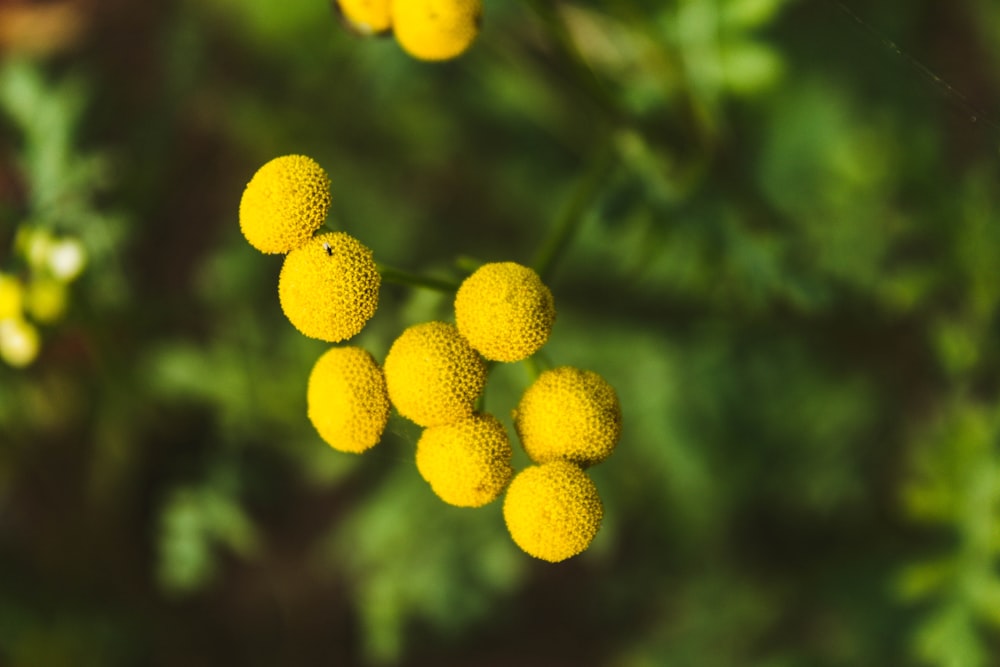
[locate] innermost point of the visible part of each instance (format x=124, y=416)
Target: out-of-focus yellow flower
x=368, y=17
x=553, y=510
x=467, y=463
x=66, y=259
x=19, y=342
x=569, y=414
x=11, y=296
x=504, y=311
x=45, y=300
x=436, y=29
x=347, y=400
x=434, y=377
x=35, y=245
x=328, y=288
x=284, y=203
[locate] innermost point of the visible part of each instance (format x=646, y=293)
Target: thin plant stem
x=572, y=216
x=400, y=277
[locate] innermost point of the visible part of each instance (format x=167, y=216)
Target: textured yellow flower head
x=436, y=29
x=367, y=17
x=467, y=463
x=553, y=510
x=569, y=414
x=346, y=399
x=284, y=203
x=504, y=311
x=328, y=288
x=434, y=377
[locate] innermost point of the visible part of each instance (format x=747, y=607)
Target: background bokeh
x=784, y=253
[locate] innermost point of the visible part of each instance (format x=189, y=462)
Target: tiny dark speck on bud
x=329, y=250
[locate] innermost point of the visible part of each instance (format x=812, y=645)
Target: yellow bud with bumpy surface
x=367, y=17
x=504, y=311
x=552, y=510
x=346, y=399
x=328, y=288
x=284, y=203
x=569, y=414
x=434, y=377
x=467, y=463
x=436, y=29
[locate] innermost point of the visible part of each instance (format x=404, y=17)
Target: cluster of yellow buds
x=37, y=294
x=426, y=29
x=435, y=372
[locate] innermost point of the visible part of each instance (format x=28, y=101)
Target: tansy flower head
x=552, y=510
x=347, y=400
x=367, y=17
x=434, y=377
x=504, y=311
x=467, y=462
x=19, y=342
x=436, y=29
x=569, y=414
x=284, y=203
x=11, y=296
x=328, y=288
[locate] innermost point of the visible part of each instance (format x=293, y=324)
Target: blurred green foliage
x=769, y=227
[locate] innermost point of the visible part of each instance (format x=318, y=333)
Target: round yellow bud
x=552, y=510
x=569, y=414
x=346, y=399
x=367, y=17
x=284, y=203
x=436, y=29
x=328, y=288
x=467, y=463
x=11, y=296
x=45, y=300
x=434, y=377
x=19, y=342
x=504, y=311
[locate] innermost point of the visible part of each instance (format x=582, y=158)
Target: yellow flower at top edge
x=553, y=510
x=284, y=203
x=328, y=288
x=346, y=399
x=436, y=29
x=467, y=462
x=505, y=311
x=569, y=414
x=433, y=376
x=368, y=17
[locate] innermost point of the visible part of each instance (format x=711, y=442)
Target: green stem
x=400, y=277
x=572, y=216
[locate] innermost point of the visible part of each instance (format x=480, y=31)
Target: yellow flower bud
x=284, y=203
x=467, y=462
x=436, y=29
x=434, y=377
x=11, y=296
x=569, y=414
x=346, y=399
x=45, y=300
x=504, y=311
x=552, y=510
x=328, y=288
x=19, y=342
x=368, y=17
